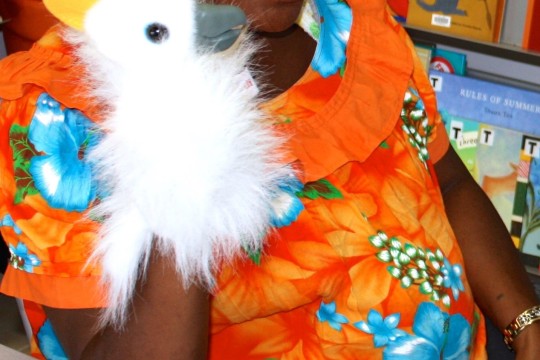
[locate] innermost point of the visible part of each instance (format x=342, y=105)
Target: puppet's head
x=183, y=25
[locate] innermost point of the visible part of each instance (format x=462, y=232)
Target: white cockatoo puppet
x=186, y=159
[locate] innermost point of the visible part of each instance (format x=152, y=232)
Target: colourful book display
x=495, y=130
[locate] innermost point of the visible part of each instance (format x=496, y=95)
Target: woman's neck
x=283, y=58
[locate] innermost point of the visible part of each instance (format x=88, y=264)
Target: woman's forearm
x=165, y=322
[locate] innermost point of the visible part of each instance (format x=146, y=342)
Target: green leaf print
x=22, y=152
x=256, y=257
x=320, y=188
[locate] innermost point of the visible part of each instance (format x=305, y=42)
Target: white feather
x=187, y=157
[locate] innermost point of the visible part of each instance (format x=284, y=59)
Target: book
x=471, y=19
x=497, y=161
x=425, y=53
x=525, y=229
x=399, y=9
x=463, y=135
x=487, y=102
x=491, y=154
x=449, y=61
x=531, y=33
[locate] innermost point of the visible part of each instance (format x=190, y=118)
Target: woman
x=371, y=267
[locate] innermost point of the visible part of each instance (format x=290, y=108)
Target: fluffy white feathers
x=186, y=155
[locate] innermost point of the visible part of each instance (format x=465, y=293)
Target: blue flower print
x=286, y=206
x=384, y=330
x=60, y=175
x=7, y=221
x=452, y=277
x=48, y=343
x=438, y=335
x=336, y=22
x=327, y=313
x=419, y=103
x=21, y=260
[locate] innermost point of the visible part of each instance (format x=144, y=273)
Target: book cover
x=525, y=229
x=495, y=104
x=463, y=135
x=497, y=161
x=492, y=156
x=449, y=61
x=471, y=19
x=425, y=53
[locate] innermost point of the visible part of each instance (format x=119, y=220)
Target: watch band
x=523, y=320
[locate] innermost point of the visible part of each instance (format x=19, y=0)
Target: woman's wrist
x=523, y=329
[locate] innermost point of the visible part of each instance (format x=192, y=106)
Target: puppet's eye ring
x=157, y=33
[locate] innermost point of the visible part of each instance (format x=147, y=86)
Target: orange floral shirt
x=370, y=269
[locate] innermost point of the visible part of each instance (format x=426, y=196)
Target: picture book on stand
x=497, y=158
x=525, y=229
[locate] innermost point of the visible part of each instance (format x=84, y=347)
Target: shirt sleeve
x=46, y=187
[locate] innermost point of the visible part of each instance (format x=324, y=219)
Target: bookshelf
x=488, y=61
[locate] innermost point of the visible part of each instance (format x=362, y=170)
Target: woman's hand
x=527, y=343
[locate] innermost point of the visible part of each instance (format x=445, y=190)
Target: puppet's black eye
x=157, y=33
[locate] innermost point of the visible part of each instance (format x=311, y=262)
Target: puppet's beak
x=72, y=12
x=218, y=26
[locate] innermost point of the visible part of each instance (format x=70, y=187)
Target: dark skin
x=497, y=277
x=165, y=322
x=168, y=322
